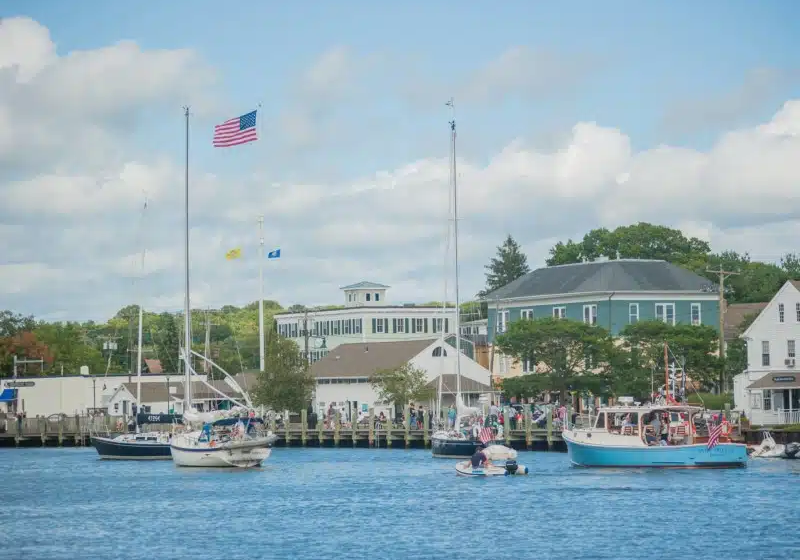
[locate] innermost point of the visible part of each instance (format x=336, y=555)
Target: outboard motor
x=513, y=468
x=792, y=450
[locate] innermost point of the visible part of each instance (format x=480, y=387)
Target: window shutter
x=407, y=331
x=386, y=326
x=414, y=325
x=374, y=325
x=426, y=325
x=447, y=325
x=394, y=325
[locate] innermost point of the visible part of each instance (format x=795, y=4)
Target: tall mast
x=139, y=345
x=454, y=172
x=187, y=312
x=261, y=352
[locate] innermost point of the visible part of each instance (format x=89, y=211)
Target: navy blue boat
x=149, y=446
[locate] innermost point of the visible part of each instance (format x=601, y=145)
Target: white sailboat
x=232, y=438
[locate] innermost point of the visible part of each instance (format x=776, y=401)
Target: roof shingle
x=364, y=359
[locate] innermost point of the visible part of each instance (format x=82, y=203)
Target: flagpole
x=261, y=352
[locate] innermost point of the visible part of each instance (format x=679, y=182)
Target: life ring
x=212, y=443
x=726, y=428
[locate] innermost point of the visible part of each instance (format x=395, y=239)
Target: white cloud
x=73, y=227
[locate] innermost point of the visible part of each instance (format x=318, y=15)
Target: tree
x=637, y=241
x=286, y=382
x=401, y=385
x=24, y=344
x=790, y=263
x=692, y=345
x=569, y=355
x=11, y=324
x=166, y=341
x=509, y=264
x=69, y=347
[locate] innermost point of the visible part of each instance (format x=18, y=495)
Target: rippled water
x=361, y=503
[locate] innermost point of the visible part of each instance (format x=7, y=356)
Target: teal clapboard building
x=612, y=294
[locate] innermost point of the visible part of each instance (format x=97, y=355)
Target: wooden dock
x=74, y=431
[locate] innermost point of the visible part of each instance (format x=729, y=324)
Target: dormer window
x=368, y=296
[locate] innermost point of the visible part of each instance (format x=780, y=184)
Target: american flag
x=486, y=435
x=236, y=131
x=713, y=436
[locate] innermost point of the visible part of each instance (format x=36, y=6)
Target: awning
x=8, y=395
x=790, y=380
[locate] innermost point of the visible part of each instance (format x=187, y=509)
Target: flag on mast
x=234, y=254
x=233, y=132
x=276, y=254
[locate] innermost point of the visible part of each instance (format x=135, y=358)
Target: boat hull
x=723, y=455
x=109, y=448
x=454, y=448
x=465, y=469
x=243, y=455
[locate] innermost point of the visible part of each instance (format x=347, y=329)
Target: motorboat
x=770, y=449
x=628, y=436
x=506, y=468
x=225, y=442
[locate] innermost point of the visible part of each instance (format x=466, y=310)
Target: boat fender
x=119, y=425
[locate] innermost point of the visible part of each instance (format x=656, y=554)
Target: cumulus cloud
x=73, y=226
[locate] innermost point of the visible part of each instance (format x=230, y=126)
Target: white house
x=343, y=375
x=366, y=316
x=167, y=398
x=769, y=390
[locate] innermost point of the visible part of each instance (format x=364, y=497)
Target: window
x=349, y=297
x=755, y=399
x=357, y=326
x=765, y=352
x=696, y=314
x=633, y=313
x=797, y=312
x=438, y=325
x=665, y=312
x=502, y=321
x=368, y=296
x=559, y=312
x=767, y=399
x=502, y=364
x=781, y=314
x=790, y=349
x=438, y=352
x=377, y=324
x=590, y=314
x=526, y=314
x=528, y=366
x=377, y=297
x=346, y=326
x=419, y=325
x=400, y=325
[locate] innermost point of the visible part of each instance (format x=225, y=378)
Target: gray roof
x=467, y=385
x=365, y=285
x=736, y=313
x=365, y=359
x=623, y=275
x=157, y=391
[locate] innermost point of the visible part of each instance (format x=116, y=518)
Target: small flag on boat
x=486, y=435
x=236, y=131
x=713, y=436
x=276, y=254
x=234, y=254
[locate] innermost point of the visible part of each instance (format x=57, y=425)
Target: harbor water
x=376, y=504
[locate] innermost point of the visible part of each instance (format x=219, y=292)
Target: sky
x=570, y=116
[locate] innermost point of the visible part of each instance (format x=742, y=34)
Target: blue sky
x=524, y=73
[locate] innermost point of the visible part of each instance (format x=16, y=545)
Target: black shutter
x=426, y=325
x=447, y=325
x=374, y=325
x=407, y=329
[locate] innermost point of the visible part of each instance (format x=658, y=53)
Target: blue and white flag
x=276, y=254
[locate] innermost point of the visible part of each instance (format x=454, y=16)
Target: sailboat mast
x=139, y=367
x=451, y=103
x=261, y=351
x=187, y=327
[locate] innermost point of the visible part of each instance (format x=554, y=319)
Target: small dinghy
x=770, y=449
x=510, y=468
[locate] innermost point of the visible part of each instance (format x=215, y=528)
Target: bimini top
x=648, y=407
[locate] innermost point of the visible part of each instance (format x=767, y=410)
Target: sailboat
x=230, y=438
x=138, y=445
x=453, y=442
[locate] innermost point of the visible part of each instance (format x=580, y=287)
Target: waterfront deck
x=75, y=431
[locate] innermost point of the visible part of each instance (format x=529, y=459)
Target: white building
x=769, y=390
x=70, y=394
x=167, y=398
x=366, y=316
x=343, y=376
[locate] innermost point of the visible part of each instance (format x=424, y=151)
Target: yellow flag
x=234, y=254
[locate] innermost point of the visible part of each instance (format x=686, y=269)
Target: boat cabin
x=654, y=425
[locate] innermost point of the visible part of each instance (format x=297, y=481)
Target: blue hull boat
x=146, y=448
x=724, y=455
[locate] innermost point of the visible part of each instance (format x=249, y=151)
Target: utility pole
x=723, y=274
